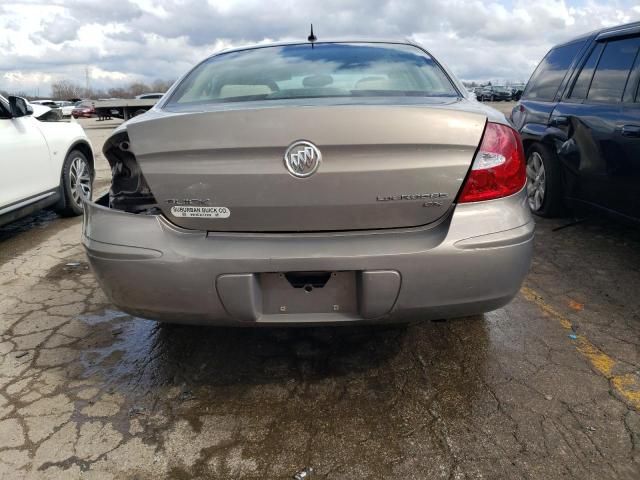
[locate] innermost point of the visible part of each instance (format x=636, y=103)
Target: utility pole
x=87, y=75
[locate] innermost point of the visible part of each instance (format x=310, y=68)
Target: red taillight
x=499, y=168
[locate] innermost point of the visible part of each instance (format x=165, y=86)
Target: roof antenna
x=312, y=38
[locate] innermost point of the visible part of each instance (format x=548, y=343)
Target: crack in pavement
x=627, y=384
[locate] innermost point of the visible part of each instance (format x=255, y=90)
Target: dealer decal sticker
x=200, y=212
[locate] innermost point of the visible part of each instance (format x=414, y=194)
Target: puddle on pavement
x=29, y=232
x=68, y=269
x=38, y=220
x=106, y=316
x=133, y=354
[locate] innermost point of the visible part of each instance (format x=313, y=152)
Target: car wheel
x=493, y=98
x=544, y=182
x=77, y=185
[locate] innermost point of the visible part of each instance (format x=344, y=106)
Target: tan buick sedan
x=313, y=183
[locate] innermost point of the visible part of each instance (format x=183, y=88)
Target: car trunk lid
x=383, y=166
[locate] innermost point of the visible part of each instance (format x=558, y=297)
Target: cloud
x=99, y=11
x=129, y=40
x=57, y=30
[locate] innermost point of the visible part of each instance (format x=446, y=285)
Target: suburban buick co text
x=313, y=183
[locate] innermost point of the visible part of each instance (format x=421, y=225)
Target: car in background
x=46, y=103
x=259, y=191
x=494, y=94
x=42, y=164
x=46, y=110
x=65, y=107
x=481, y=94
x=579, y=118
x=83, y=109
x=516, y=92
x=147, y=96
x=45, y=113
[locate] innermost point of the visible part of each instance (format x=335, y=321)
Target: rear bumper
x=474, y=261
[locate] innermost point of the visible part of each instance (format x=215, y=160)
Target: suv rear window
x=613, y=70
x=546, y=79
x=326, y=70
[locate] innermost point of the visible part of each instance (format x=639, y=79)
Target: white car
x=42, y=164
x=65, y=107
x=150, y=96
x=46, y=103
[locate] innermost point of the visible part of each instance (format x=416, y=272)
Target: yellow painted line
x=627, y=385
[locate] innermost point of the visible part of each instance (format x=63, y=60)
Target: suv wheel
x=544, y=183
x=76, y=184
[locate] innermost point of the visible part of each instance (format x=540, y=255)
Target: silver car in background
x=313, y=183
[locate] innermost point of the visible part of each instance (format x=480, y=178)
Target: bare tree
x=118, y=92
x=66, y=90
x=138, y=88
x=161, y=85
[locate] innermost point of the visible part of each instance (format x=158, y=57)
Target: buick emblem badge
x=302, y=158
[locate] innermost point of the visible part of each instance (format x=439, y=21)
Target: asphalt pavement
x=547, y=387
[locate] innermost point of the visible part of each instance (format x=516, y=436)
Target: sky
x=121, y=41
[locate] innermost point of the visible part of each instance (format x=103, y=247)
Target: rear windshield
x=324, y=70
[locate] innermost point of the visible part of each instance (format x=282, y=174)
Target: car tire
x=544, y=182
x=76, y=182
x=493, y=98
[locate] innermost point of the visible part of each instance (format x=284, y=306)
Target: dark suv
x=494, y=94
x=579, y=117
